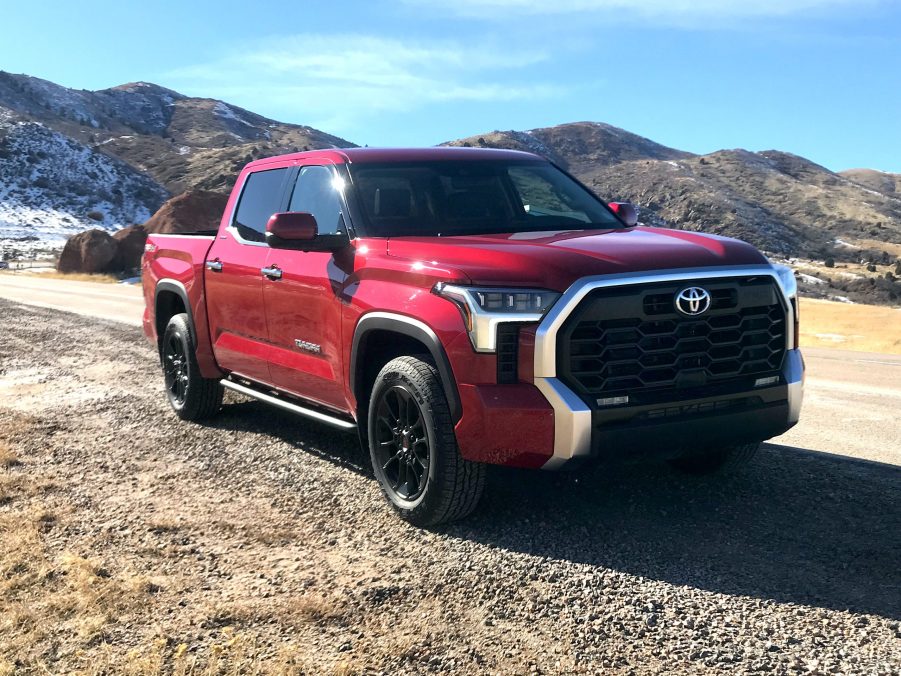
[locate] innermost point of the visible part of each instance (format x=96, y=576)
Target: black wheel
x=192, y=396
x=413, y=449
x=718, y=460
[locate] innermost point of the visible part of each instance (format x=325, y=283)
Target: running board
x=288, y=406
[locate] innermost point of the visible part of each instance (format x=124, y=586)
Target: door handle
x=214, y=266
x=272, y=272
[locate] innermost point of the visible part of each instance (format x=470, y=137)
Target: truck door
x=234, y=278
x=303, y=305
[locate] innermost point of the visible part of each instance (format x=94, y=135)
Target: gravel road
x=271, y=527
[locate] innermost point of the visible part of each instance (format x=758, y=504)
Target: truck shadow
x=795, y=526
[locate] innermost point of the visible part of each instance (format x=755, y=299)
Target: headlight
x=786, y=280
x=484, y=308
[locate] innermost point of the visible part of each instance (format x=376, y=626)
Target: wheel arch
x=369, y=353
x=170, y=299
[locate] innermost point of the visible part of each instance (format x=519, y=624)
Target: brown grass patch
x=101, y=278
x=294, y=612
x=68, y=597
x=7, y=457
x=235, y=653
x=866, y=328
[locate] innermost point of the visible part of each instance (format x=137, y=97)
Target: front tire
x=413, y=448
x=191, y=396
x=720, y=460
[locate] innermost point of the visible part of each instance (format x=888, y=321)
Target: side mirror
x=291, y=230
x=626, y=211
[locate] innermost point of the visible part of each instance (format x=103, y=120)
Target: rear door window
x=260, y=199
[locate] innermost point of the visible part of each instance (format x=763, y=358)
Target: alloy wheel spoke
x=401, y=444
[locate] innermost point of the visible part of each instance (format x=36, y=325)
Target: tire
x=191, y=396
x=720, y=460
x=413, y=448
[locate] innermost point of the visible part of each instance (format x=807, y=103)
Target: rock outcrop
x=91, y=251
x=95, y=250
x=130, y=247
x=188, y=212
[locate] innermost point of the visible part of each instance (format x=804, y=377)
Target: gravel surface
x=266, y=527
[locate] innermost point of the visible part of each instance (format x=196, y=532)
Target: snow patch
x=810, y=279
x=49, y=183
x=224, y=111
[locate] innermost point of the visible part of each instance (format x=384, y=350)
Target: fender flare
x=176, y=287
x=413, y=328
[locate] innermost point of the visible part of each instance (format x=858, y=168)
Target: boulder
x=130, y=242
x=188, y=212
x=91, y=251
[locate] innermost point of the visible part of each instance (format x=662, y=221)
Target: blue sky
x=820, y=78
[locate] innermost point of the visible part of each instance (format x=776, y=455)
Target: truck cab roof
x=383, y=155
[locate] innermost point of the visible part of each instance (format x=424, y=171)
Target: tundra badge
x=309, y=347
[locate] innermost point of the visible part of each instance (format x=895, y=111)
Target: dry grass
x=8, y=458
x=65, y=601
x=295, y=612
x=875, y=244
x=866, y=328
x=80, y=277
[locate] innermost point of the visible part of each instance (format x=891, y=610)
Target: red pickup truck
x=460, y=307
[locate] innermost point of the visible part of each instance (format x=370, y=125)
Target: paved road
x=116, y=302
x=852, y=401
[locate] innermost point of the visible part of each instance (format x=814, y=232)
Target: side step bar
x=288, y=406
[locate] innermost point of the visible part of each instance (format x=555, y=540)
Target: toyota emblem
x=693, y=301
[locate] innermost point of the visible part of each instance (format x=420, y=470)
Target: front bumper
x=661, y=431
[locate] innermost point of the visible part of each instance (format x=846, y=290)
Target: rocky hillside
x=105, y=159
x=880, y=181
x=181, y=142
x=146, y=141
x=579, y=146
x=783, y=203
x=52, y=186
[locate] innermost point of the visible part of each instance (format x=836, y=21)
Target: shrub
x=830, y=262
x=871, y=267
x=95, y=216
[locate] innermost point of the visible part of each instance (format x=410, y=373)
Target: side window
x=317, y=193
x=260, y=199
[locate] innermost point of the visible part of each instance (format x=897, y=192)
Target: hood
x=554, y=260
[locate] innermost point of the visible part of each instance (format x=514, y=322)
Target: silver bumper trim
x=794, y=376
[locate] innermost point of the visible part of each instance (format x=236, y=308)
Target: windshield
x=464, y=198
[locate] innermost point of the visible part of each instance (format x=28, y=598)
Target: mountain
x=578, y=146
x=147, y=141
x=782, y=203
x=52, y=186
x=880, y=181
x=74, y=159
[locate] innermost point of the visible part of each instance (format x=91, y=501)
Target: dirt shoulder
x=133, y=542
x=866, y=328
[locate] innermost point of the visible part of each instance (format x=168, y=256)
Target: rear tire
x=191, y=396
x=413, y=448
x=721, y=460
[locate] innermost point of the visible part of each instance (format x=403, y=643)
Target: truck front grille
x=632, y=340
